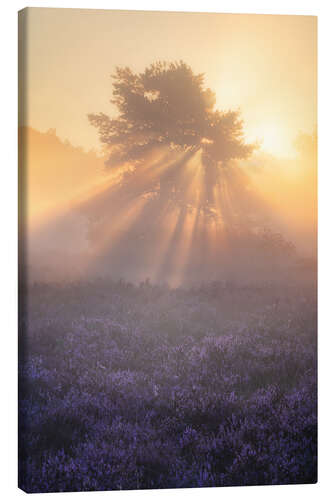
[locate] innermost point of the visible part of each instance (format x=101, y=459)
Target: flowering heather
x=126, y=387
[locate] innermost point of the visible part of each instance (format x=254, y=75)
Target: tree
x=167, y=106
x=184, y=206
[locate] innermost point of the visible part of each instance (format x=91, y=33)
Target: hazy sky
x=263, y=64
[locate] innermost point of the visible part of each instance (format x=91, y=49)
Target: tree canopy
x=169, y=106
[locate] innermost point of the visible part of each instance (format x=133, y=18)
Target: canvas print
x=167, y=250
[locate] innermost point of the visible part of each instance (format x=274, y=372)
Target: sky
x=265, y=65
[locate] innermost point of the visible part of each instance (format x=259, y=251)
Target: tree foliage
x=168, y=106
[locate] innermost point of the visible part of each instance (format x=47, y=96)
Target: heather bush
x=126, y=387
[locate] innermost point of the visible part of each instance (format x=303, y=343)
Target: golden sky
x=263, y=64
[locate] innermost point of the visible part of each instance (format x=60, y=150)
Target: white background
x=8, y=247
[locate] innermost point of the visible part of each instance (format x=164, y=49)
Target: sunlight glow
x=274, y=138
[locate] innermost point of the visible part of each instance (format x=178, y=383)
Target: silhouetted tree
x=180, y=180
x=167, y=106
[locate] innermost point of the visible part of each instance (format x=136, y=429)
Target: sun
x=274, y=138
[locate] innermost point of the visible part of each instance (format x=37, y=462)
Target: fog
x=82, y=222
